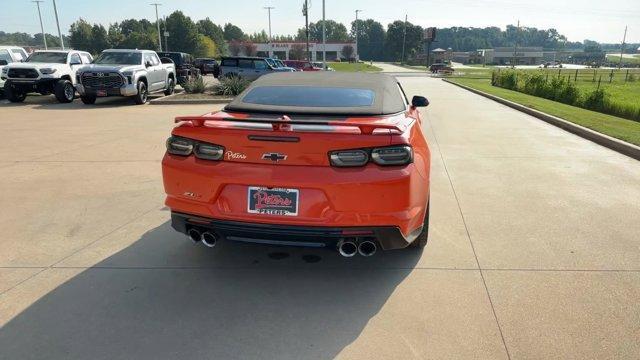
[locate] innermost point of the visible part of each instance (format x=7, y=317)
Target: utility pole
x=55, y=10
x=515, y=46
x=357, y=52
x=305, y=12
x=166, y=35
x=624, y=39
x=404, y=38
x=324, y=38
x=44, y=37
x=269, y=8
x=158, y=25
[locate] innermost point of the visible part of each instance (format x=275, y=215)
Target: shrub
x=596, y=100
x=195, y=86
x=631, y=78
x=567, y=93
x=231, y=86
x=536, y=85
x=506, y=79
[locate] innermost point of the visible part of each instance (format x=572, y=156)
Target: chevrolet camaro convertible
x=316, y=159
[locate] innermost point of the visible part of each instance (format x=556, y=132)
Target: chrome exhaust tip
x=209, y=239
x=194, y=235
x=367, y=248
x=347, y=248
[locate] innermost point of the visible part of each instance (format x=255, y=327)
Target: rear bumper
x=391, y=201
x=388, y=237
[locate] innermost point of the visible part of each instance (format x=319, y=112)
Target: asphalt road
x=534, y=250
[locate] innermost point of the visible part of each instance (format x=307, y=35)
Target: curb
x=620, y=146
x=167, y=100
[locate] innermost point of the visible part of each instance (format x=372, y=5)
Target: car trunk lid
x=286, y=141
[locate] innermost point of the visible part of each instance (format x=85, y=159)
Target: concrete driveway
x=534, y=250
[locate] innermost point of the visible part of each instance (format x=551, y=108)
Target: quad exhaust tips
x=347, y=248
x=208, y=239
x=367, y=248
x=194, y=235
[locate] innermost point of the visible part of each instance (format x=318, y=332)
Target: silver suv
x=249, y=68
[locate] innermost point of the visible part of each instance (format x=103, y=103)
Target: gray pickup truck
x=133, y=73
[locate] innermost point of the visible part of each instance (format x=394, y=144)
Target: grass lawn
x=625, y=60
x=623, y=129
x=352, y=67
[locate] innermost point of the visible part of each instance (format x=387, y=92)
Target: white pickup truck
x=134, y=73
x=8, y=55
x=44, y=72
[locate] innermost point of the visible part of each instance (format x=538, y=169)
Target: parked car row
x=122, y=72
x=116, y=72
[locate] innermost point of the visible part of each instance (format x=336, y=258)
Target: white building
x=288, y=50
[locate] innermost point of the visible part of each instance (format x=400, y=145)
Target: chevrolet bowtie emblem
x=274, y=157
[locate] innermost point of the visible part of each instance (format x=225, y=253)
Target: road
x=534, y=250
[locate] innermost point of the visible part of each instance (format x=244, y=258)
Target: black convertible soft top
x=383, y=92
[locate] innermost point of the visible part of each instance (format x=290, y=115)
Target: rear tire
x=88, y=99
x=13, y=95
x=64, y=91
x=142, y=95
x=421, y=241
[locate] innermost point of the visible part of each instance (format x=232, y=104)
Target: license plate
x=272, y=201
x=101, y=93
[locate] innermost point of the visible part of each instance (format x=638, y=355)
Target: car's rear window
x=309, y=96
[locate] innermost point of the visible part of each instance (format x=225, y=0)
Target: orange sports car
x=319, y=159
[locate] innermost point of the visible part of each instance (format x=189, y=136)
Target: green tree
x=334, y=31
x=371, y=35
x=183, y=33
x=232, y=32
x=395, y=34
x=99, y=39
x=215, y=33
x=81, y=35
x=205, y=47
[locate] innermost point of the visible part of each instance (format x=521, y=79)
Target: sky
x=603, y=21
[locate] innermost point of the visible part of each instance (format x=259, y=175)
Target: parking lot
x=534, y=249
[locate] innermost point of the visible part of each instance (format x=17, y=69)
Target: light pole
x=158, y=24
x=55, y=10
x=269, y=8
x=357, y=56
x=324, y=39
x=44, y=38
x=624, y=39
x=404, y=38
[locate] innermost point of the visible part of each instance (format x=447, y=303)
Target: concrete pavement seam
x=464, y=222
x=609, y=142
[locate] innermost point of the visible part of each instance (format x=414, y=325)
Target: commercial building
x=509, y=55
x=298, y=50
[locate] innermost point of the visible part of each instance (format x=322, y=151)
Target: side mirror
x=76, y=63
x=419, y=101
x=3, y=62
x=148, y=64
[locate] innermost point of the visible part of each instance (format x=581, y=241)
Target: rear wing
x=284, y=123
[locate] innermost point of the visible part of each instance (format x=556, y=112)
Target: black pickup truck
x=185, y=65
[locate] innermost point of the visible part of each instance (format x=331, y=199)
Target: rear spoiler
x=286, y=124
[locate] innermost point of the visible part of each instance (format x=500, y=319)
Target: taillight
x=208, y=151
x=384, y=156
x=345, y=158
x=179, y=146
x=394, y=155
x=182, y=146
